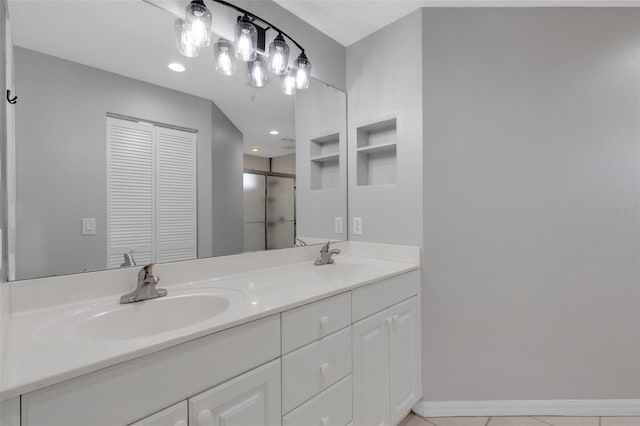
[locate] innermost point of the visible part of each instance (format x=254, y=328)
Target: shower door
x=281, y=229
x=269, y=211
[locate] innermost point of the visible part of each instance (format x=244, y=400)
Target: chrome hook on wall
x=11, y=100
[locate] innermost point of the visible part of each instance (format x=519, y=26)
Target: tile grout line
x=542, y=421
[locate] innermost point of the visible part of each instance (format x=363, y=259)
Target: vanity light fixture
x=288, y=83
x=302, y=71
x=194, y=33
x=258, y=76
x=274, y=132
x=278, y=55
x=174, y=66
x=223, y=51
x=246, y=39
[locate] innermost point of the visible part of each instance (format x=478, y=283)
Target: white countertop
x=37, y=352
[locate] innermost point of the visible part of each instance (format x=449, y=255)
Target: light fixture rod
x=251, y=15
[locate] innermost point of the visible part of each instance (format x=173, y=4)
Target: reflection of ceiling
x=135, y=39
x=348, y=21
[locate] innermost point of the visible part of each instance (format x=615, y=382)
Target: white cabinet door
x=371, y=370
x=252, y=399
x=404, y=358
x=176, y=415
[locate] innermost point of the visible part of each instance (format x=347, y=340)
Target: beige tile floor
x=415, y=420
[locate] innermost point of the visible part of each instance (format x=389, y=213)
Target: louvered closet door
x=130, y=191
x=176, y=227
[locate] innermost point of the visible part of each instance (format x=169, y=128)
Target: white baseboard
x=569, y=407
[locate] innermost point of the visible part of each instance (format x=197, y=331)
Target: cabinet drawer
x=175, y=415
x=315, y=367
x=311, y=322
x=375, y=297
x=332, y=407
x=134, y=389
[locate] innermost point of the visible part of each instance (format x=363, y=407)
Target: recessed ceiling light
x=174, y=66
x=274, y=132
x=255, y=149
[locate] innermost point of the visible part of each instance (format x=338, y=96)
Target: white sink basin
x=115, y=321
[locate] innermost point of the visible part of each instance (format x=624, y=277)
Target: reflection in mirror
x=120, y=159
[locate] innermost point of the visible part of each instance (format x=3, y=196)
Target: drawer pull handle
x=204, y=418
x=324, y=368
x=325, y=420
x=324, y=321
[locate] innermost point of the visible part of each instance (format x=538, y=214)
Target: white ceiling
x=135, y=39
x=348, y=21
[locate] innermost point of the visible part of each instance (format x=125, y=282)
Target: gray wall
x=284, y=164
x=384, y=79
x=531, y=146
x=228, y=202
x=253, y=162
x=61, y=173
x=321, y=110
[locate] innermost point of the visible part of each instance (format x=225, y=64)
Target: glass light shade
x=258, y=76
x=302, y=71
x=185, y=44
x=278, y=56
x=198, y=23
x=223, y=53
x=246, y=40
x=288, y=83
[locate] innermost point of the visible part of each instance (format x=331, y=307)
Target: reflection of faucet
x=325, y=255
x=146, y=287
x=128, y=260
x=300, y=243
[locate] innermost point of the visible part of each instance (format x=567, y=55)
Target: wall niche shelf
x=325, y=161
x=377, y=153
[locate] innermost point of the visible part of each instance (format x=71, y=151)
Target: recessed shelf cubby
x=325, y=161
x=377, y=153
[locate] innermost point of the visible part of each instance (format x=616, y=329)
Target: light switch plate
x=357, y=226
x=88, y=226
x=338, y=225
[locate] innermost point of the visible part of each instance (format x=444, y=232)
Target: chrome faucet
x=146, y=287
x=128, y=260
x=325, y=254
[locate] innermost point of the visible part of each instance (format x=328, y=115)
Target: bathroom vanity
x=296, y=344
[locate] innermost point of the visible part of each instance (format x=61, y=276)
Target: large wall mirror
x=117, y=154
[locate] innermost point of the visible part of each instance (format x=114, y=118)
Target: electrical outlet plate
x=88, y=226
x=357, y=226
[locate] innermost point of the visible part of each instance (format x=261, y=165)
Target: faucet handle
x=145, y=271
